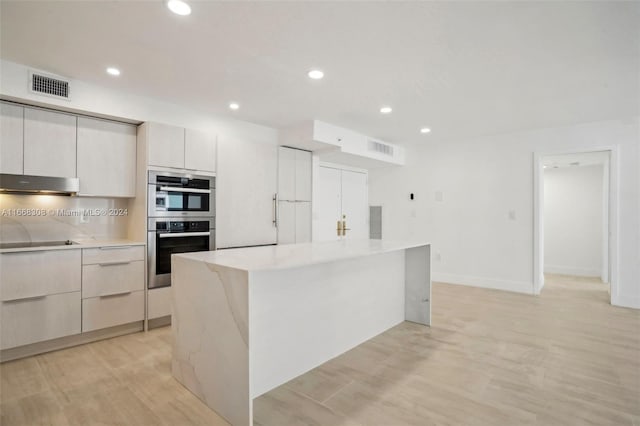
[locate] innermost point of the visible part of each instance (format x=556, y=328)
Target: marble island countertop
x=288, y=256
x=76, y=244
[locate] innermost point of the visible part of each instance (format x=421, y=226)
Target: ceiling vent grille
x=49, y=85
x=381, y=148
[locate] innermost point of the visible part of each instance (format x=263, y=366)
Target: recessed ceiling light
x=234, y=105
x=425, y=130
x=315, y=74
x=385, y=110
x=179, y=7
x=113, y=71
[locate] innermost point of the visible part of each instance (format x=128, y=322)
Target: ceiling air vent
x=49, y=85
x=381, y=148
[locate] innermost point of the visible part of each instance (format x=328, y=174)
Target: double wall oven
x=181, y=219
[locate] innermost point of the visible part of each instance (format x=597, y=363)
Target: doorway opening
x=574, y=222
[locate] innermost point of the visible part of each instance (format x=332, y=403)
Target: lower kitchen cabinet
x=31, y=274
x=112, y=286
x=110, y=279
x=108, y=311
x=50, y=294
x=159, y=302
x=40, y=296
x=26, y=321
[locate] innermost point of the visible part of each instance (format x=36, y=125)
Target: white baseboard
x=569, y=270
x=626, y=302
x=496, y=284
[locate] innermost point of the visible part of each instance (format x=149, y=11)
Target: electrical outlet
x=512, y=214
x=84, y=218
x=439, y=196
x=437, y=257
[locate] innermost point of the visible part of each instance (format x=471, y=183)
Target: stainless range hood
x=25, y=184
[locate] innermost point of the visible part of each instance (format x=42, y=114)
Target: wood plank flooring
x=492, y=358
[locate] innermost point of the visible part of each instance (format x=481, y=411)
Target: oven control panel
x=182, y=226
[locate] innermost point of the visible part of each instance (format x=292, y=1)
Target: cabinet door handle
x=275, y=209
x=114, y=263
x=115, y=248
x=24, y=299
x=122, y=293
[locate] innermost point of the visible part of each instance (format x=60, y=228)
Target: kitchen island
x=248, y=320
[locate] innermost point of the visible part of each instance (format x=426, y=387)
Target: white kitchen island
x=248, y=320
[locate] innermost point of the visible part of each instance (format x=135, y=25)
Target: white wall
x=92, y=99
x=573, y=207
x=482, y=180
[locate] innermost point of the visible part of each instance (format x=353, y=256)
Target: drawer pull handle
x=122, y=293
x=23, y=299
x=115, y=248
x=114, y=263
x=26, y=251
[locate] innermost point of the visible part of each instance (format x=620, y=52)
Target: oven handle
x=184, y=234
x=178, y=189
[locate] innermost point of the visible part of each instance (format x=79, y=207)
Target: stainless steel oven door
x=176, y=202
x=180, y=195
x=161, y=245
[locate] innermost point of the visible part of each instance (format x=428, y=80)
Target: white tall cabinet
x=246, y=187
x=294, y=195
x=199, y=151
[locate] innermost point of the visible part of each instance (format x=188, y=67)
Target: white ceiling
x=464, y=69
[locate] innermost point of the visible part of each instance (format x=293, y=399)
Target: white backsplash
x=53, y=218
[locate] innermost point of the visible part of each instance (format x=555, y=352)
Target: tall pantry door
x=342, y=192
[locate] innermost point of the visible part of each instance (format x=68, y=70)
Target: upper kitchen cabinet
x=165, y=145
x=294, y=174
x=199, y=151
x=179, y=148
x=49, y=143
x=11, y=138
x=106, y=158
x=286, y=174
x=303, y=175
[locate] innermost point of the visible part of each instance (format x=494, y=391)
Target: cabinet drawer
x=35, y=320
x=39, y=273
x=103, y=279
x=112, y=254
x=102, y=312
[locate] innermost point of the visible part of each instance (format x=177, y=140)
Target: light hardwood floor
x=492, y=358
